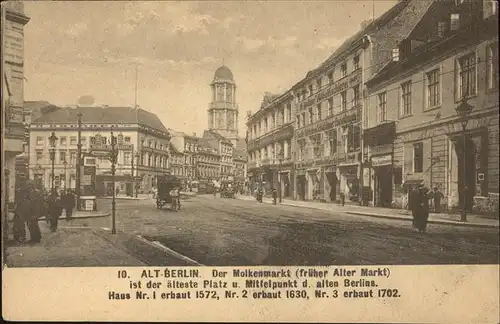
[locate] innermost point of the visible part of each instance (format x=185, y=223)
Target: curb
x=155, y=245
x=80, y=217
x=440, y=222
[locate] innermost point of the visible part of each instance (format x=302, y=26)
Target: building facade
x=183, y=162
x=13, y=132
x=207, y=162
x=270, y=149
x=143, y=147
x=414, y=132
x=330, y=107
x=223, y=109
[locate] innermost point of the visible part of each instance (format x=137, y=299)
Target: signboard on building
x=378, y=161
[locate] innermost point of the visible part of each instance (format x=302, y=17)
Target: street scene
x=218, y=134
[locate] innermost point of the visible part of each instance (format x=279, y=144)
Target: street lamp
x=65, y=163
x=52, y=151
x=136, y=179
x=463, y=111
x=113, y=157
x=280, y=159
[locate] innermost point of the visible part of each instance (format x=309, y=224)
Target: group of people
x=32, y=203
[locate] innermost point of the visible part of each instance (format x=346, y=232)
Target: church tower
x=223, y=110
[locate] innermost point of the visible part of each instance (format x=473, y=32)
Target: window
x=319, y=84
x=92, y=140
x=301, y=152
x=303, y=119
x=62, y=156
x=127, y=158
x=62, y=140
x=418, y=157
x=330, y=77
x=311, y=90
x=311, y=116
x=104, y=140
x=330, y=106
x=72, y=158
x=39, y=140
x=318, y=110
x=467, y=75
x=433, y=89
x=345, y=138
x=491, y=59
x=265, y=125
x=454, y=21
x=343, y=100
x=355, y=62
x=382, y=106
x=343, y=70
x=298, y=121
x=84, y=140
x=39, y=156
x=288, y=112
x=395, y=54
x=405, y=108
x=356, y=137
x=72, y=140
x=317, y=146
x=355, y=97
x=332, y=141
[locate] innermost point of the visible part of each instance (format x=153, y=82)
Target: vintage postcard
x=270, y=161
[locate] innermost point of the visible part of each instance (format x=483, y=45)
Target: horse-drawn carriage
x=165, y=184
x=227, y=189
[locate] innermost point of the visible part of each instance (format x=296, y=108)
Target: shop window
x=418, y=157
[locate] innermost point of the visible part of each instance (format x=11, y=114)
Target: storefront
x=348, y=172
x=332, y=184
x=383, y=180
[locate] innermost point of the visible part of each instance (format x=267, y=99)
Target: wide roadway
x=218, y=231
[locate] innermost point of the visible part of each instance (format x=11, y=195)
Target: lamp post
x=136, y=181
x=112, y=158
x=52, y=151
x=65, y=163
x=280, y=160
x=463, y=111
x=78, y=161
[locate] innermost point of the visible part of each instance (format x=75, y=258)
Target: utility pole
x=78, y=161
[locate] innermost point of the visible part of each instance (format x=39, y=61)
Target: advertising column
x=88, y=184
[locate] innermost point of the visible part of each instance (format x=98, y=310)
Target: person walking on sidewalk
x=22, y=211
x=436, y=197
x=55, y=211
x=275, y=196
x=342, y=198
x=414, y=204
x=423, y=212
x=68, y=203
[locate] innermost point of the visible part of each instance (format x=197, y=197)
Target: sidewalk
x=69, y=247
x=396, y=214
x=124, y=197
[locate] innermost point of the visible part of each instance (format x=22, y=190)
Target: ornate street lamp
x=52, y=150
x=136, y=178
x=65, y=163
x=463, y=111
x=280, y=160
x=113, y=157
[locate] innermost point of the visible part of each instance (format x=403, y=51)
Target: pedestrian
x=414, y=205
x=275, y=196
x=21, y=213
x=55, y=211
x=37, y=210
x=437, y=195
x=69, y=203
x=178, y=194
x=342, y=198
x=423, y=210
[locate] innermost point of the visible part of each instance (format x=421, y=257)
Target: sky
x=75, y=49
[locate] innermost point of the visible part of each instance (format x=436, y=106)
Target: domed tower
x=223, y=110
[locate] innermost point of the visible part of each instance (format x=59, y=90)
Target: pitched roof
x=39, y=108
x=215, y=135
x=205, y=144
x=239, y=154
x=241, y=144
x=103, y=115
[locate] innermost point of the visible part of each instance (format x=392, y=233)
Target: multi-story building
x=329, y=147
x=207, y=162
x=143, y=147
x=270, y=152
x=184, y=155
x=225, y=149
x=240, y=167
x=13, y=132
x=413, y=130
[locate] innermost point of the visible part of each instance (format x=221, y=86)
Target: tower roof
x=223, y=73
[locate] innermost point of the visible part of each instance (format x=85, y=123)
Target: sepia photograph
x=250, y=133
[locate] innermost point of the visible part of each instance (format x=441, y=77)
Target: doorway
x=332, y=182
x=301, y=187
x=466, y=169
x=383, y=186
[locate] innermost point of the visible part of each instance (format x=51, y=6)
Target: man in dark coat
x=414, y=202
x=68, y=201
x=423, y=212
x=437, y=196
x=21, y=213
x=275, y=196
x=37, y=210
x=54, y=211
